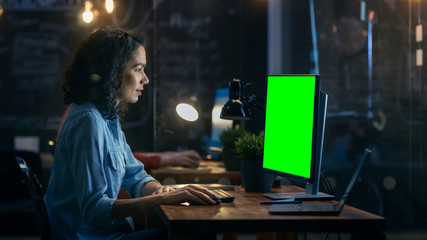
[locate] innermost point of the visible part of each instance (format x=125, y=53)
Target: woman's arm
x=134, y=206
x=154, y=187
x=161, y=195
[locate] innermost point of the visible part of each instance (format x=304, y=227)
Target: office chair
x=37, y=194
x=11, y=183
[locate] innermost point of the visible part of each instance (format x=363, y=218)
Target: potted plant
x=227, y=138
x=250, y=148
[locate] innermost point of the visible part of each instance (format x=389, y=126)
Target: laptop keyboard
x=225, y=197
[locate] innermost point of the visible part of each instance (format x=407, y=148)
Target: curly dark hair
x=96, y=73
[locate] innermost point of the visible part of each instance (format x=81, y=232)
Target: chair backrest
x=11, y=180
x=37, y=194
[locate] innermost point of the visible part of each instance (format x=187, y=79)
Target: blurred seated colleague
x=188, y=158
x=92, y=159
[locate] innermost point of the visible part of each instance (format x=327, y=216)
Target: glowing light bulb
x=109, y=5
x=187, y=112
x=88, y=17
x=1, y=10
x=88, y=14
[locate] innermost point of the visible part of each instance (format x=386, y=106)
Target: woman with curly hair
x=92, y=159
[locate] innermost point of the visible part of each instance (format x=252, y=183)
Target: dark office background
x=197, y=46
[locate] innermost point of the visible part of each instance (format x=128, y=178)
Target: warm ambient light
x=1, y=10
x=88, y=14
x=109, y=5
x=187, y=112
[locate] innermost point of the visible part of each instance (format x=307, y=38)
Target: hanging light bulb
x=88, y=14
x=109, y=5
x=1, y=10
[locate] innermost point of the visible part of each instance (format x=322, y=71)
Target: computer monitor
x=294, y=129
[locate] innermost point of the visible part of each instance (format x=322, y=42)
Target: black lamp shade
x=234, y=109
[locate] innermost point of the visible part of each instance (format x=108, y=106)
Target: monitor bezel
x=314, y=146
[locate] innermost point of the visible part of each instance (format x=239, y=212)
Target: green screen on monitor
x=289, y=124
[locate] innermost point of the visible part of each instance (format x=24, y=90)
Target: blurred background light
x=109, y=5
x=187, y=112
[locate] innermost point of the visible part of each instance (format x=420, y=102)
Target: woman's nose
x=145, y=80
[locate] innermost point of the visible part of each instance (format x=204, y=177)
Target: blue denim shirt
x=92, y=161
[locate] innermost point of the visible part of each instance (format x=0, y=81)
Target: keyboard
x=225, y=197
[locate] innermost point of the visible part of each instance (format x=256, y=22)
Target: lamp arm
x=255, y=102
x=252, y=100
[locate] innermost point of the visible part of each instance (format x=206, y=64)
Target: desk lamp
x=235, y=108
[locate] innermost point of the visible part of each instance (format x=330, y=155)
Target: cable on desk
x=327, y=185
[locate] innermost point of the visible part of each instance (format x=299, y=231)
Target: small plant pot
x=254, y=178
x=231, y=160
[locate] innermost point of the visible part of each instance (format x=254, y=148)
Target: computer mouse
x=197, y=161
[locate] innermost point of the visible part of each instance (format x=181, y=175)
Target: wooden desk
x=207, y=172
x=246, y=214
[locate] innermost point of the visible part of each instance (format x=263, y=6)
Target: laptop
x=321, y=208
